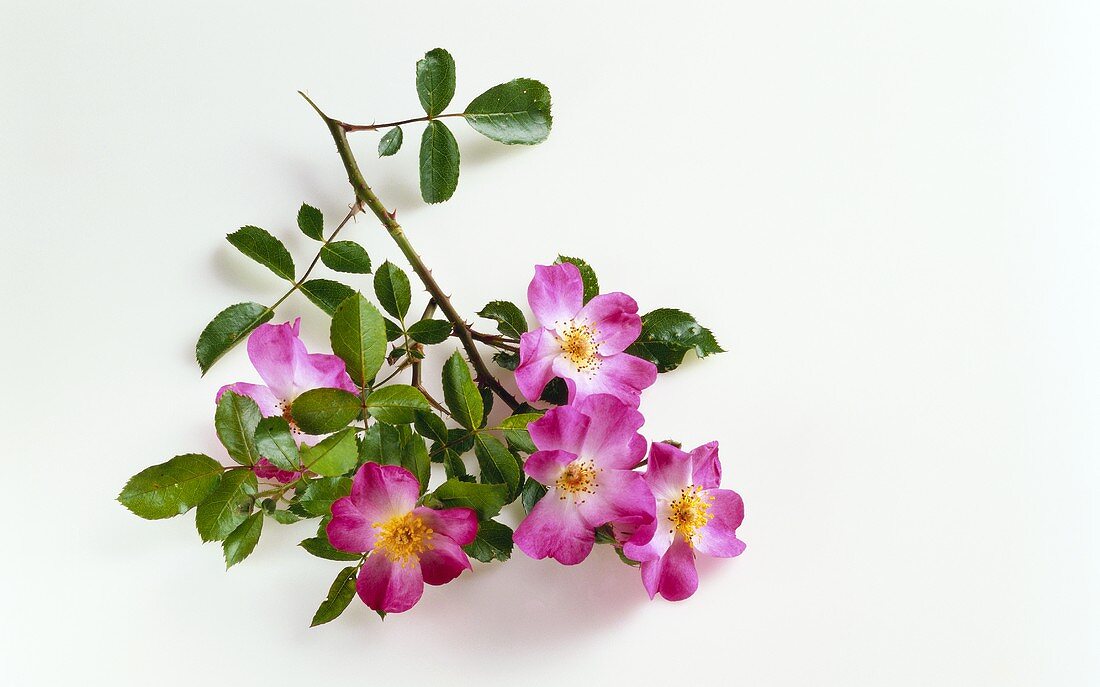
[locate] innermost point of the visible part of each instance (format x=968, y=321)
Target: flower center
x=688, y=512
x=403, y=537
x=578, y=343
x=579, y=478
x=294, y=429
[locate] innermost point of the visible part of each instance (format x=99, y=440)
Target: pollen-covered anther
x=578, y=344
x=580, y=477
x=402, y=538
x=294, y=428
x=688, y=512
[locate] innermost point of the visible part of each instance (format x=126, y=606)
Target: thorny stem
x=375, y=127
x=367, y=197
x=496, y=341
x=429, y=310
x=355, y=210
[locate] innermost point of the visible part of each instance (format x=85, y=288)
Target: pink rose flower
x=288, y=369
x=586, y=452
x=408, y=545
x=581, y=343
x=693, y=515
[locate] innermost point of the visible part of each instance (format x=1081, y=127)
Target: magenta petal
x=561, y=428
x=651, y=574
x=556, y=294
x=615, y=318
x=537, y=351
x=322, y=371
x=264, y=398
x=611, y=439
x=668, y=470
x=678, y=577
x=546, y=466
x=444, y=562
x=706, y=467
x=649, y=542
x=622, y=375
x=457, y=524
x=389, y=586
x=350, y=529
x=275, y=350
x=619, y=495
x=264, y=469
x=554, y=528
x=384, y=491
x=718, y=537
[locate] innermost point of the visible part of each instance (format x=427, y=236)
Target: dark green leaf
x=497, y=464
x=320, y=547
x=242, y=541
x=393, y=330
x=509, y=318
x=414, y=457
x=460, y=394
x=346, y=256
x=391, y=142
x=332, y=456
x=430, y=331
x=513, y=112
x=358, y=336
x=626, y=559
x=454, y=467
x=532, y=492
x=396, y=404
x=275, y=442
x=435, y=81
x=588, y=276
x=486, y=499
x=226, y=329
x=391, y=285
x=493, y=542
x=439, y=161
x=339, y=596
x=227, y=506
x=283, y=517
x=171, y=488
x=311, y=222
x=390, y=445
x=556, y=392
x=235, y=422
x=509, y=361
x=264, y=249
x=667, y=334
x=316, y=499
x=323, y=411
x=326, y=294
x=430, y=426
x=460, y=440
x=515, y=431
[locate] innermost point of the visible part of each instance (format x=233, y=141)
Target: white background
x=887, y=211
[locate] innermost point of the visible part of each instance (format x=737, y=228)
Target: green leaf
x=497, y=464
x=509, y=361
x=493, y=542
x=275, y=442
x=414, y=457
x=323, y=411
x=396, y=404
x=171, y=488
x=439, y=160
x=326, y=294
x=430, y=426
x=358, y=336
x=397, y=445
x=588, y=276
x=226, y=329
x=460, y=394
x=346, y=256
x=531, y=494
x=264, y=249
x=517, y=112
x=454, y=467
x=435, y=81
x=318, y=495
x=391, y=285
x=509, y=318
x=430, y=331
x=515, y=431
x=311, y=222
x=391, y=142
x=339, y=597
x=235, y=422
x=283, y=517
x=227, y=506
x=242, y=541
x=320, y=547
x=393, y=330
x=556, y=392
x=486, y=499
x=332, y=456
x=668, y=334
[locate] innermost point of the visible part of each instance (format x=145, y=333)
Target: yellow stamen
x=578, y=479
x=403, y=538
x=688, y=512
x=578, y=343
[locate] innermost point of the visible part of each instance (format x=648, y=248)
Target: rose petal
x=622, y=375
x=350, y=529
x=389, y=586
x=556, y=294
x=718, y=537
x=264, y=398
x=537, y=350
x=444, y=562
x=457, y=524
x=615, y=318
x=668, y=471
x=275, y=350
x=546, y=467
x=382, y=492
x=611, y=439
x=619, y=495
x=554, y=528
x=706, y=467
x=678, y=577
x=561, y=428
